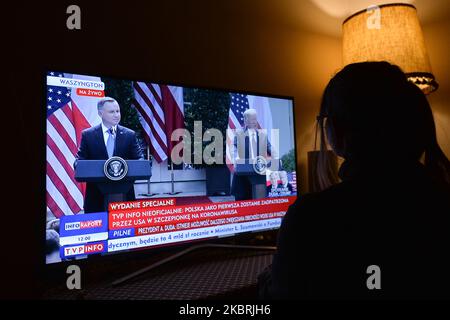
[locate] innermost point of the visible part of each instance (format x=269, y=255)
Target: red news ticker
x=91, y=248
x=90, y=93
x=136, y=219
x=90, y=224
x=179, y=226
x=140, y=204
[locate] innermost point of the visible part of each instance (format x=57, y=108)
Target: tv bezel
x=139, y=253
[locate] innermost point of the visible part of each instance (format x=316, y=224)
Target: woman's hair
x=371, y=111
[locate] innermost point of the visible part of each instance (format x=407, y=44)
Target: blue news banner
x=85, y=234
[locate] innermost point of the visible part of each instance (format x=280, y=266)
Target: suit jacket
x=92, y=147
x=242, y=144
x=279, y=190
x=241, y=187
x=289, y=187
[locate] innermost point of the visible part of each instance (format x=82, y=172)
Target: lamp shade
x=392, y=33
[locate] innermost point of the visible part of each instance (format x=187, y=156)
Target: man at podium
x=249, y=143
x=103, y=141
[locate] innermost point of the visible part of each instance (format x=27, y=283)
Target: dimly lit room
x=248, y=150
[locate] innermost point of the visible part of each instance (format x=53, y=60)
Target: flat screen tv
x=136, y=165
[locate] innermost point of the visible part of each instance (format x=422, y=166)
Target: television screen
x=133, y=164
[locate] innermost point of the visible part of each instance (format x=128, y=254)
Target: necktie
x=110, y=143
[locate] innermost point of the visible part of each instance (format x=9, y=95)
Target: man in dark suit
x=104, y=141
x=249, y=143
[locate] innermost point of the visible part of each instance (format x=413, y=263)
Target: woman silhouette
x=389, y=210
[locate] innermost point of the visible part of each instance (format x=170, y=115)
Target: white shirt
x=106, y=132
x=252, y=134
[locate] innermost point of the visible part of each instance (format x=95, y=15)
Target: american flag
x=238, y=105
x=65, y=122
x=161, y=111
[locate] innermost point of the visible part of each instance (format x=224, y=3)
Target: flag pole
x=149, y=193
x=172, y=180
